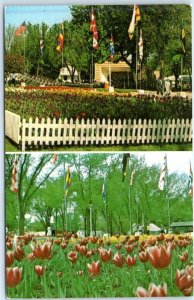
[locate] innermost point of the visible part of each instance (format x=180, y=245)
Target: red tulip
x=89, y=254
x=131, y=261
x=80, y=273
x=152, y=241
x=72, y=256
x=31, y=256
x=83, y=250
x=118, y=246
x=153, y=291
x=43, y=251
x=63, y=245
x=160, y=237
x=105, y=255
x=184, y=281
x=84, y=242
x=159, y=256
x=129, y=248
x=19, y=253
x=184, y=256
x=13, y=276
x=143, y=256
x=39, y=270
x=58, y=241
x=94, y=239
x=9, y=245
x=94, y=268
x=118, y=260
x=9, y=258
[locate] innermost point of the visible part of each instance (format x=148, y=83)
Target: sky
x=49, y=14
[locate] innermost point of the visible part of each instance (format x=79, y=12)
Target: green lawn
x=11, y=147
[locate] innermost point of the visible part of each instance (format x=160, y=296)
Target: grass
x=12, y=147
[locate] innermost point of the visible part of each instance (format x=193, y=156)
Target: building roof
x=182, y=224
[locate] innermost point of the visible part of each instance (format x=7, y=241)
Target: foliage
x=77, y=104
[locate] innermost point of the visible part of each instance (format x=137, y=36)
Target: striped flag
x=190, y=183
x=183, y=40
x=163, y=174
x=104, y=189
x=136, y=17
x=111, y=47
x=93, y=28
x=126, y=156
x=14, y=180
x=60, y=42
x=67, y=180
x=140, y=44
x=21, y=29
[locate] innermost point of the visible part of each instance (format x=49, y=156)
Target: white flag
x=163, y=174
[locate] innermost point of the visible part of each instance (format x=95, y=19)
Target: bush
x=76, y=103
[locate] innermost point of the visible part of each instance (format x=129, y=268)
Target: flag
x=190, y=183
x=163, y=173
x=126, y=156
x=111, y=47
x=132, y=177
x=54, y=158
x=136, y=17
x=104, y=189
x=93, y=29
x=60, y=42
x=14, y=180
x=67, y=180
x=183, y=40
x=140, y=44
x=21, y=29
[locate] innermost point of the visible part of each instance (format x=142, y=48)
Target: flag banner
x=140, y=44
x=41, y=43
x=104, y=189
x=21, y=29
x=60, y=41
x=111, y=47
x=54, y=158
x=136, y=17
x=67, y=181
x=126, y=156
x=137, y=14
x=93, y=29
x=14, y=180
x=190, y=184
x=163, y=174
x=183, y=40
x=132, y=177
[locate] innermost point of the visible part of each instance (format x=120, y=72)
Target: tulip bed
x=120, y=266
x=79, y=103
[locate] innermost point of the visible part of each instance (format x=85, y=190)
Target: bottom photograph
x=88, y=225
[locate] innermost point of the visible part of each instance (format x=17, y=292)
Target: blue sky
x=49, y=14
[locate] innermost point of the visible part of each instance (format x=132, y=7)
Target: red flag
x=14, y=180
x=21, y=29
x=54, y=158
x=93, y=29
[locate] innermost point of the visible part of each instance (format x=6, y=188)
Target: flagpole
x=65, y=200
x=24, y=52
x=110, y=73
x=166, y=195
x=181, y=73
x=136, y=52
x=129, y=196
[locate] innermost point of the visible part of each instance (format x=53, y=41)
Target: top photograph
x=98, y=78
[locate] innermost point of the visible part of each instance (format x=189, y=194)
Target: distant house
x=65, y=75
x=181, y=227
x=119, y=73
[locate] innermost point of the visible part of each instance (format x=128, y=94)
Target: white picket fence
x=85, y=132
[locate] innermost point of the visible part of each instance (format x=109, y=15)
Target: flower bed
x=119, y=266
x=77, y=103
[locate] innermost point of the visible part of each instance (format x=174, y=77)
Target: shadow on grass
x=12, y=147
